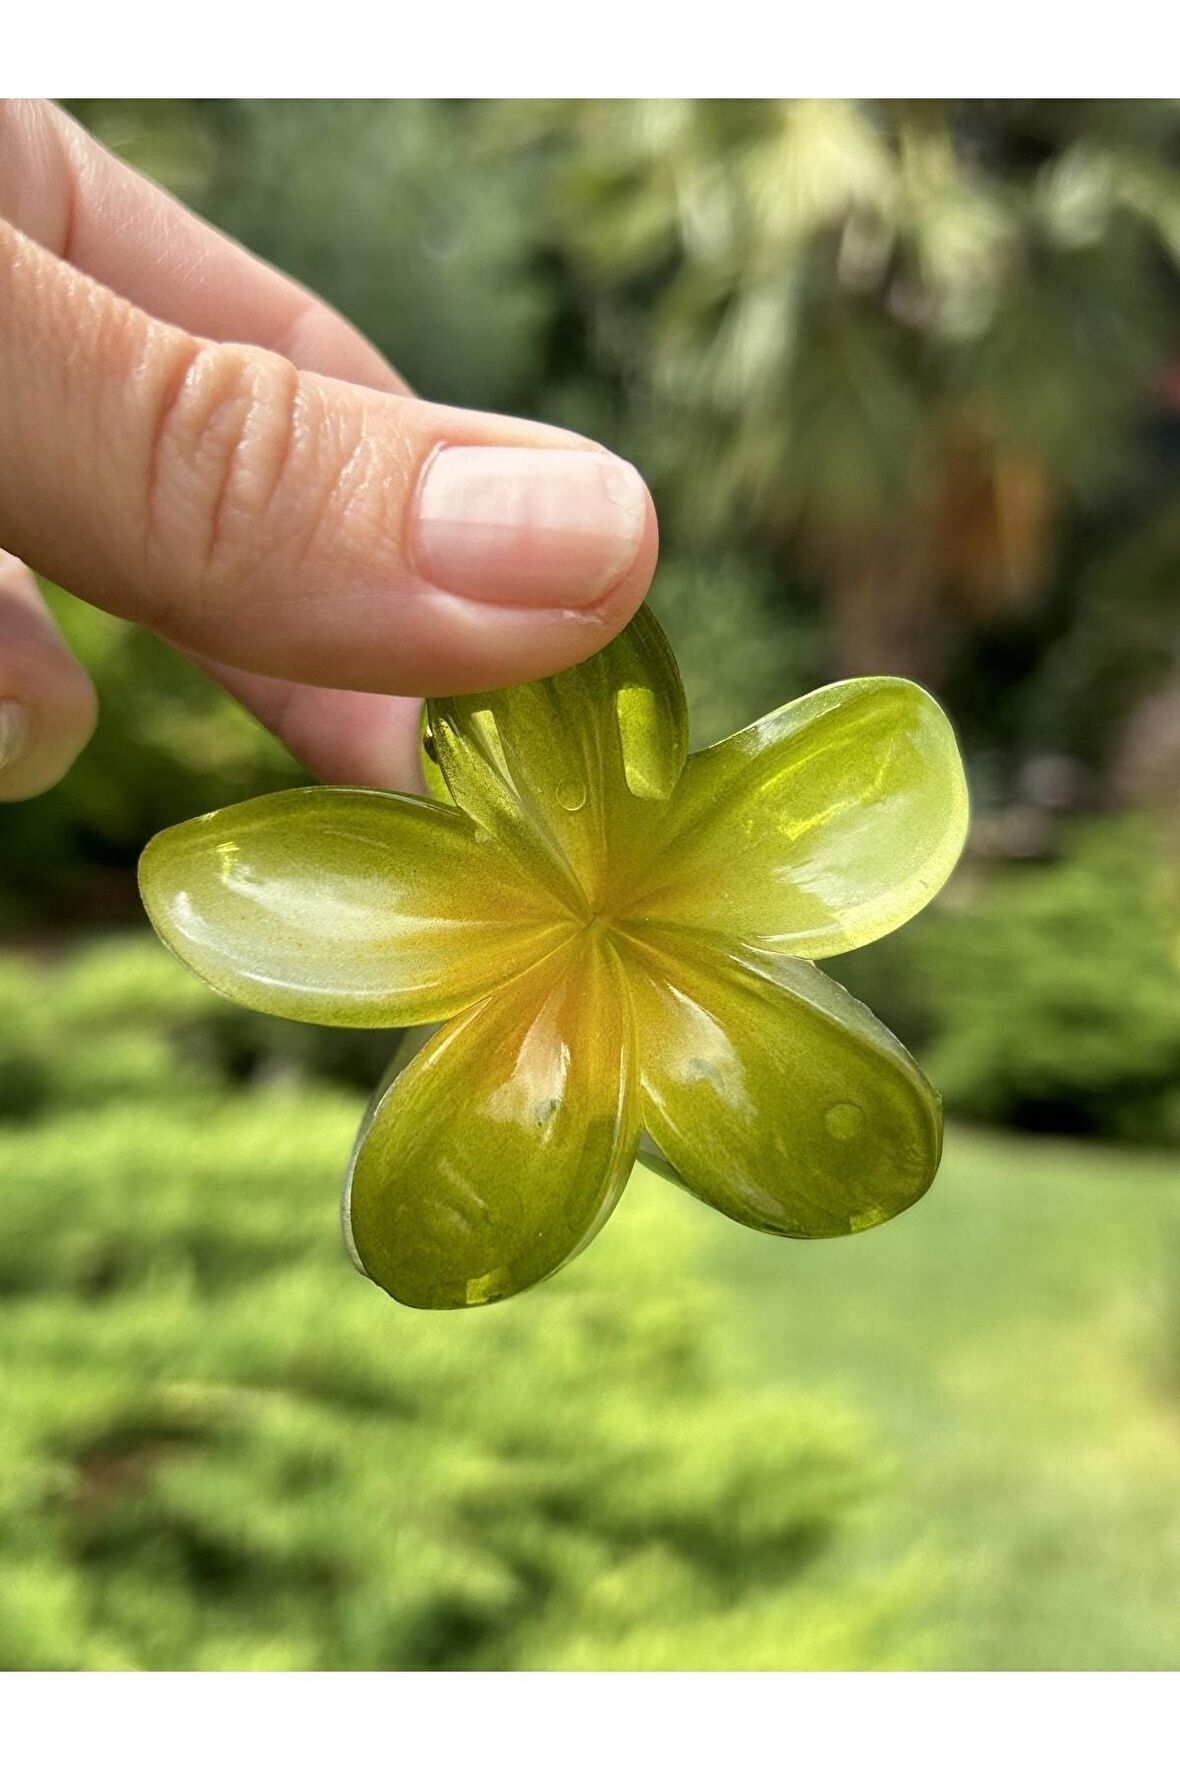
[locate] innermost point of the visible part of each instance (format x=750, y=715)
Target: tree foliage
x=897, y=338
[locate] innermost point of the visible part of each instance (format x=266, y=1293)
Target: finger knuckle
x=226, y=429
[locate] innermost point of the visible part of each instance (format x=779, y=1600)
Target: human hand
x=194, y=442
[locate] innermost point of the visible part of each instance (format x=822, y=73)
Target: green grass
x=1016, y=1340
x=952, y=1441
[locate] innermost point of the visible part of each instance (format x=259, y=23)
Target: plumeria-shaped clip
x=620, y=939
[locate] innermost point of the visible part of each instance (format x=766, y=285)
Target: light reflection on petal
x=820, y=829
x=568, y=772
x=347, y=908
x=503, y=1147
x=775, y=1096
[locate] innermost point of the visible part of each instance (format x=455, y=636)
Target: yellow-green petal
x=503, y=1147
x=343, y=907
x=776, y=1097
x=820, y=828
x=432, y=774
x=564, y=771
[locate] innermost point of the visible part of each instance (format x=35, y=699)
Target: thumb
x=283, y=522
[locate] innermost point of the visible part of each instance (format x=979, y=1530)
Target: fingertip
x=463, y=644
x=532, y=527
x=43, y=733
x=48, y=705
x=624, y=597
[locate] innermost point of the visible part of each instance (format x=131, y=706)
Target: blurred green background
x=905, y=380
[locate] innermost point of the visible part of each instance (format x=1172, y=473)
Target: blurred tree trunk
x=884, y=609
x=975, y=544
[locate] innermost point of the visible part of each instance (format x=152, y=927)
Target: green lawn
x=1016, y=1338
x=952, y=1441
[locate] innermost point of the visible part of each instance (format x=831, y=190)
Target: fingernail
x=550, y=527
x=14, y=733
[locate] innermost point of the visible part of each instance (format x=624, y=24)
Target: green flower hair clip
x=619, y=938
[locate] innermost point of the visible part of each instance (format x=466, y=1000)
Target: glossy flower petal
x=563, y=772
x=344, y=907
x=820, y=828
x=777, y=1097
x=503, y=1147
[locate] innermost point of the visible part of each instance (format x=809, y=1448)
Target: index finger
x=59, y=186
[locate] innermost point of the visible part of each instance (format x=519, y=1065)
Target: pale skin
x=194, y=442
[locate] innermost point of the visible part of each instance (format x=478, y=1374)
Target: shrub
x=119, y=1017
x=1048, y=997
x=220, y=1448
